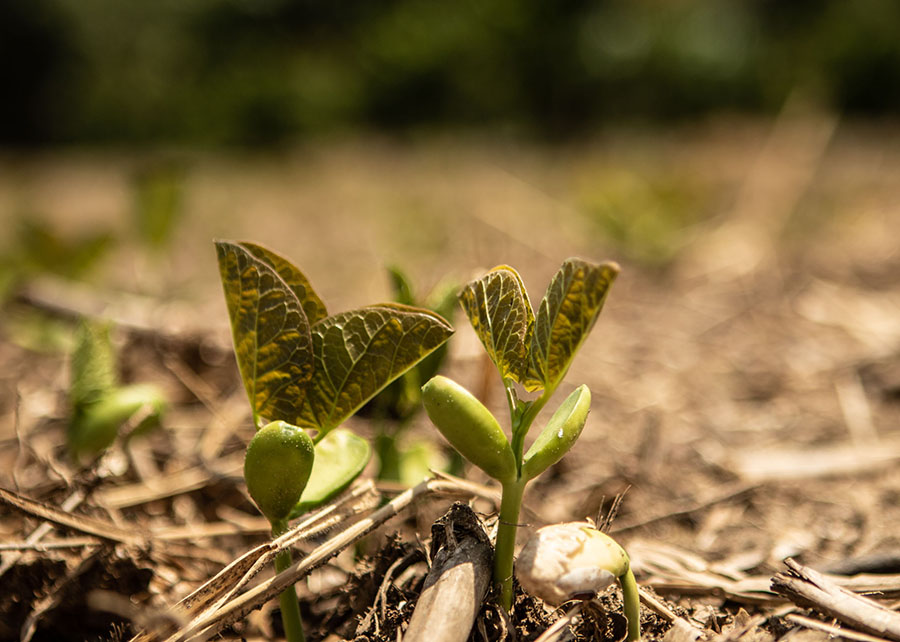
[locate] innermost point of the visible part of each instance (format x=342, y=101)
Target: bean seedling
x=535, y=352
x=307, y=372
x=563, y=562
x=393, y=409
x=100, y=405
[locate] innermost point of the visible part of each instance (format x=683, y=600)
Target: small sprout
x=100, y=406
x=469, y=427
x=531, y=350
x=394, y=408
x=302, y=368
x=576, y=561
x=277, y=466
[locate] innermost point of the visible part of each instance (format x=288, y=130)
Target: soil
x=746, y=380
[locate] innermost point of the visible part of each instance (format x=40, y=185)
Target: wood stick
x=807, y=587
x=459, y=577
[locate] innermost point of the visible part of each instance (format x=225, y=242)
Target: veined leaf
x=294, y=278
x=567, y=313
x=340, y=457
x=272, y=340
x=499, y=310
x=358, y=353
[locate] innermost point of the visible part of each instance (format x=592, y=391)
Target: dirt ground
x=745, y=374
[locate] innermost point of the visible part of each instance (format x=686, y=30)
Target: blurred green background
x=257, y=72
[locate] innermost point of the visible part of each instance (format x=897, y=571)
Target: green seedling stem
x=522, y=415
x=632, y=603
x=290, y=608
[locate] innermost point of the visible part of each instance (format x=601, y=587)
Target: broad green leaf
x=295, y=280
x=567, y=313
x=499, y=310
x=340, y=457
x=93, y=368
x=272, y=340
x=360, y=352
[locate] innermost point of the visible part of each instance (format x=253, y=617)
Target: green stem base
x=510, y=505
x=290, y=608
x=632, y=605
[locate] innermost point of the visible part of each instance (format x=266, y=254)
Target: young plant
x=564, y=562
x=394, y=408
x=100, y=405
x=534, y=352
x=305, y=373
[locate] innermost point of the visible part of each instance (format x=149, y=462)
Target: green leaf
x=560, y=433
x=499, y=310
x=340, y=457
x=272, y=340
x=93, y=367
x=565, y=318
x=295, y=280
x=358, y=353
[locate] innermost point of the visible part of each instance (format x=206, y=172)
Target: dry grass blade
x=807, y=587
x=559, y=631
x=831, y=629
x=89, y=525
x=177, y=483
x=38, y=534
x=219, y=612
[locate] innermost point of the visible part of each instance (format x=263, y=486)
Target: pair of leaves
x=536, y=350
x=302, y=366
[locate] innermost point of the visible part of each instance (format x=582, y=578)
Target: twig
x=212, y=620
x=733, y=492
x=559, y=632
x=89, y=525
x=807, y=587
x=831, y=629
x=459, y=577
x=70, y=503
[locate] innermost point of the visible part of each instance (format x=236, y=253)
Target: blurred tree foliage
x=262, y=71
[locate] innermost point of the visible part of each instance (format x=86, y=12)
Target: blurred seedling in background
x=393, y=409
x=650, y=220
x=305, y=373
x=534, y=352
x=37, y=248
x=158, y=203
x=100, y=405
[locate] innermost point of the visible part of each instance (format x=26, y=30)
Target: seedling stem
x=290, y=609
